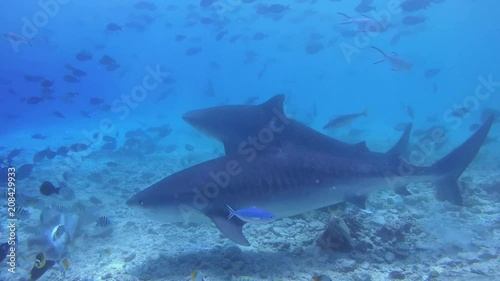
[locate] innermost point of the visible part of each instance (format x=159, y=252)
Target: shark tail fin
x=454, y=164
x=231, y=212
x=400, y=147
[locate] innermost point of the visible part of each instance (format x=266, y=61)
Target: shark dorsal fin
x=400, y=147
x=274, y=103
x=271, y=107
x=232, y=228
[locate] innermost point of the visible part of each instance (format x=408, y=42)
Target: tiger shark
x=272, y=171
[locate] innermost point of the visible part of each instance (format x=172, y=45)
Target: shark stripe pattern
x=279, y=165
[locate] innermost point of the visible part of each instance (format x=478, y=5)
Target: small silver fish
x=17, y=38
x=365, y=24
x=344, y=120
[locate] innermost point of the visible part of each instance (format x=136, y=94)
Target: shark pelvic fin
x=232, y=229
x=357, y=200
x=402, y=190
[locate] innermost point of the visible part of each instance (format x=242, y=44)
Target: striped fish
x=79, y=206
x=21, y=212
x=103, y=221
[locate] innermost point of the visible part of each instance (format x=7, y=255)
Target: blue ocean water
x=93, y=95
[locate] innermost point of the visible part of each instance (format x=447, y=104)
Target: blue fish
x=251, y=215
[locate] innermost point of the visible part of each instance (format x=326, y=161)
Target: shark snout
x=191, y=117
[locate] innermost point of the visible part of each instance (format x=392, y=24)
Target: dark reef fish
x=83, y=56
x=113, y=27
x=47, y=188
x=193, y=51
x=34, y=100
x=58, y=114
x=429, y=73
x=145, y=5
x=287, y=176
x=416, y=5
x=206, y=3
x=47, y=83
x=24, y=171
x=14, y=153
x=365, y=6
x=38, y=137
x=71, y=79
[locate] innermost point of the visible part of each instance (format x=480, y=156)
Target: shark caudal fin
x=453, y=164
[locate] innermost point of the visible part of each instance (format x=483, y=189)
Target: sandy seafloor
x=445, y=242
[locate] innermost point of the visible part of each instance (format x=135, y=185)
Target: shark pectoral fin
x=231, y=228
x=357, y=200
x=402, y=190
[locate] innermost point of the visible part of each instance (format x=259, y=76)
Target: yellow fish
x=40, y=260
x=197, y=276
